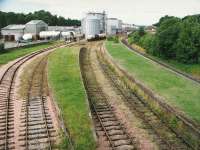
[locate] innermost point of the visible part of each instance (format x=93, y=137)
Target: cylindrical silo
x=92, y=27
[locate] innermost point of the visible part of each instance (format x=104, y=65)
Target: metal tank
x=102, y=17
x=92, y=27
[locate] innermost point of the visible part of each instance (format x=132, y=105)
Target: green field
x=10, y=55
x=65, y=80
x=178, y=91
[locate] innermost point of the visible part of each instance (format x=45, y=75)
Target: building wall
x=10, y=34
x=35, y=29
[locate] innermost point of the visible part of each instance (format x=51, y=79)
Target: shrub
x=113, y=38
x=1, y=46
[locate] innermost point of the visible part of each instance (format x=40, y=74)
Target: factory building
x=34, y=27
x=16, y=32
x=13, y=32
x=114, y=26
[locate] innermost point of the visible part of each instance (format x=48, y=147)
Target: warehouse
x=34, y=27
x=13, y=32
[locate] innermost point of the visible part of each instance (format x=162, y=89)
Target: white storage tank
x=27, y=36
x=49, y=34
x=92, y=27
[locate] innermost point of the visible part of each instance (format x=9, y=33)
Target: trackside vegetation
x=10, y=55
x=176, y=39
x=66, y=83
x=177, y=91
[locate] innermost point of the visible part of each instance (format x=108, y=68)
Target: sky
x=139, y=12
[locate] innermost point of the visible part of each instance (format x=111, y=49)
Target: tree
x=167, y=35
x=20, y=18
x=188, y=45
x=141, y=31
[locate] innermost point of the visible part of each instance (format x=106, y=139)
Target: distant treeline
x=7, y=18
x=176, y=39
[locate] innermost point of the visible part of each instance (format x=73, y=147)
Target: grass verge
x=192, y=69
x=65, y=79
x=177, y=91
x=10, y=55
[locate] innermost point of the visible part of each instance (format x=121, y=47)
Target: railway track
x=164, y=136
x=106, y=123
x=162, y=63
x=7, y=82
x=37, y=132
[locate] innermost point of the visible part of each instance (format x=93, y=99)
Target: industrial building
x=16, y=32
x=34, y=27
x=114, y=26
x=13, y=32
x=97, y=25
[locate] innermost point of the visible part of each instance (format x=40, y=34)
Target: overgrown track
x=162, y=63
x=7, y=101
x=37, y=125
x=164, y=136
x=104, y=117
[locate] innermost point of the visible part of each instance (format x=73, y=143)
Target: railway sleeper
x=105, y=112
x=38, y=132
x=118, y=137
x=125, y=147
x=35, y=120
x=23, y=117
x=31, y=143
x=115, y=132
x=121, y=142
x=107, y=116
x=36, y=128
x=111, y=123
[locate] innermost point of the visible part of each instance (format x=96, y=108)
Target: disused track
x=106, y=123
x=37, y=125
x=6, y=100
x=164, y=136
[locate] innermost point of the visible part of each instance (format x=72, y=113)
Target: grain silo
x=102, y=18
x=92, y=27
x=93, y=24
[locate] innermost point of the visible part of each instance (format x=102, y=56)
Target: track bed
x=110, y=132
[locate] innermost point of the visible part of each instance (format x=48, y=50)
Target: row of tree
x=176, y=38
x=7, y=18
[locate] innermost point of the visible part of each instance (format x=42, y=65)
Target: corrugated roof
x=14, y=27
x=35, y=22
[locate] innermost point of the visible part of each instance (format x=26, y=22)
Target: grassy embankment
x=178, y=91
x=192, y=69
x=68, y=89
x=10, y=55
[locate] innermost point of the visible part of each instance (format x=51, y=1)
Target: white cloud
x=132, y=11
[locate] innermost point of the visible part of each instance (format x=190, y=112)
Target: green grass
x=7, y=56
x=178, y=91
x=65, y=80
x=192, y=69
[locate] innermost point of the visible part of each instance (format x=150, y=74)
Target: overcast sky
x=140, y=12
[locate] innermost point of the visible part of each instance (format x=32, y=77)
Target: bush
x=113, y=38
x=148, y=42
x=1, y=46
